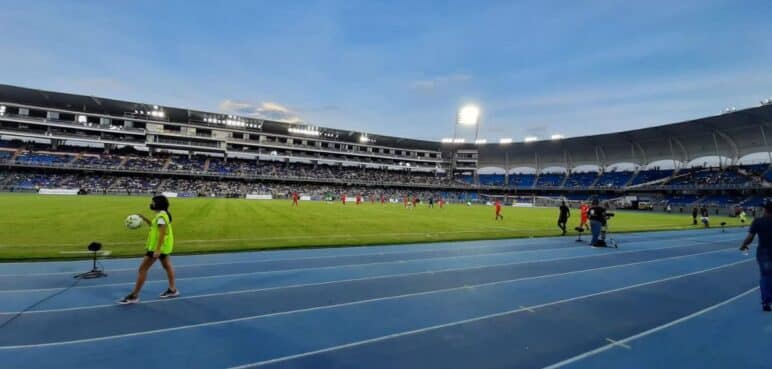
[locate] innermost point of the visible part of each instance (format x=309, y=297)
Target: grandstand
x=111, y=146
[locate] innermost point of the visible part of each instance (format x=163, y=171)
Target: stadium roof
x=732, y=135
x=118, y=108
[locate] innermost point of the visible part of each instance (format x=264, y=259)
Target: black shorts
x=162, y=256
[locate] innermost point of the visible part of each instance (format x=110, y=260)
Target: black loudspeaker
x=95, y=272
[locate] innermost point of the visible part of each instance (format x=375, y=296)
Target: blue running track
x=683, y=299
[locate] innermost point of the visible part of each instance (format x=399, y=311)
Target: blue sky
x=403, y=67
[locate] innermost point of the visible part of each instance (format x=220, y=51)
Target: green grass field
x=34, y=226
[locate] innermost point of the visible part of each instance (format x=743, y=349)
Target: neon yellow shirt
x=152, y=237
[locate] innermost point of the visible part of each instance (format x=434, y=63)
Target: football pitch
x=49, y=227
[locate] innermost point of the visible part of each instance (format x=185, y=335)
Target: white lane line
x=617, y=343
x=398, y=297
x=465, y=321
x=693, y=240
x=381, y=253
x=329, y=282
x=318, y=268
x=316, y=284
x=526, y=308
x=650, y=331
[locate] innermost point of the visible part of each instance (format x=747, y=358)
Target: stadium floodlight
x=557, y=137
x=505, y=141
x=459, y=140
x=481, y=141
x=447, y=140
x=2, y=109
x=309, y=131
x=82, y=119
x=363, y=138
x=468, y=115
x=531, y=139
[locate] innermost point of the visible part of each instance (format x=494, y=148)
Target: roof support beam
x=600, y=156
x=644, y=156
x=735, y=152
x=685, y=158
x=536, y=161
x=718, y=153
x=764, y=138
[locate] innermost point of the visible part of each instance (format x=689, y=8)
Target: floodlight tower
x=467, y=116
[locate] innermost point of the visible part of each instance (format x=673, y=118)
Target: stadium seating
x=43, y=159
x=585, y=179
x=182, y=163
x=710, y=177
x=145, y=163
x=681, y=200
x=492, y=179
x=613, y=179
x=238, y=176
x=650, y=175
x=465, y=179
x=99, y=161
x=720, y=200
x=550, y=179
x=755, y=169
x=768, y=176
x=753, y=201
x=522, y=180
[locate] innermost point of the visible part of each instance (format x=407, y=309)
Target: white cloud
x=265, y=110
x=430, y=84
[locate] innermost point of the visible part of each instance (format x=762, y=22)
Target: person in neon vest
x=160, y=243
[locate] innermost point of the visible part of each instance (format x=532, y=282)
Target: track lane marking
x=650, y=331
x=465, y=321
x=342, y=280
x=333, y=306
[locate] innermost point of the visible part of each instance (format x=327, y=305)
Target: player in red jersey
x=295, y=198
x=383, y=199
x=442, y=202
x=415, y=202
x=584, y=210
x=343, y=198
x=407, y=201
x=359, y=199
x=497, y=204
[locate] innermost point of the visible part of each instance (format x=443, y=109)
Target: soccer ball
x=133, y=221
x=468, y=203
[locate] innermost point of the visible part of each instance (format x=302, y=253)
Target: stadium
x=143, y=226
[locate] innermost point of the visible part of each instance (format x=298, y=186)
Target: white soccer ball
x=133, y=221
x=468, y=203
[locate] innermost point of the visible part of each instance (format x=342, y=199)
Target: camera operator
x=597, y=220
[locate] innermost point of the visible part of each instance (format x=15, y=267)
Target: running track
x=667, y=299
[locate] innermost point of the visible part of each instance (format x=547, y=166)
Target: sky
x=404, y=67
